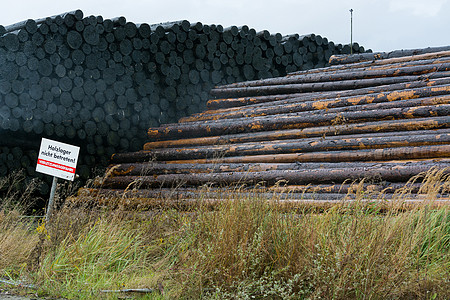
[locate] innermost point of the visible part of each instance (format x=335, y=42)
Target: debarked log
x=393, y=174
x=347, y=129
x=438, y=137
x=290, y=121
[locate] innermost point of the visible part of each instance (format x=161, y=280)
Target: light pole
x=351, y=30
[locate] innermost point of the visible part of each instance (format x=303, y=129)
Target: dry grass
x=16, y=241
x=16, y=244
x=247, y=248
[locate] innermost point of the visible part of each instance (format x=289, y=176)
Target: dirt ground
x=4, y=296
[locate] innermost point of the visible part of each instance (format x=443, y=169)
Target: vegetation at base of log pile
x=246, y=248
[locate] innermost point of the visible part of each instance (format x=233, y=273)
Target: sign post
x=58, y=160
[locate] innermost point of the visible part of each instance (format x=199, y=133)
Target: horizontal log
x=356, y=187
x=183, y=24
x=394, y=174
x=438, y=137
x=155, y=168
x=348, y=82
x=346, y=59
x=78, y=14
x=357, y=128
x=290, y=121
x=365, y=102
x=307, y=87
x=436, y=86
x=374, y=63
x=146, y=199
x=225, y=193
x=380, y=191
x=433, y=79
x=371, y=71
x=381, y=154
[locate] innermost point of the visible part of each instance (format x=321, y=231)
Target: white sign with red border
x=57, y=159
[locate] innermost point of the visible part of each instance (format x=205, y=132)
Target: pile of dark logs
x=377, y=123
x=101, y=83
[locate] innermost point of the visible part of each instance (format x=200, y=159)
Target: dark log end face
x=90, y=35
x=74, y=39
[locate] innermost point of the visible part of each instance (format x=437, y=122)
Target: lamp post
x=351, y=30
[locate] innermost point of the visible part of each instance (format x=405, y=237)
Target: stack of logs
x=100, y=83
x=315, y=131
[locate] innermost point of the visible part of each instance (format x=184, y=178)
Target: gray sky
x=381, y=25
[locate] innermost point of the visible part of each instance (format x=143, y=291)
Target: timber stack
x=316, y=131
x=101, y=83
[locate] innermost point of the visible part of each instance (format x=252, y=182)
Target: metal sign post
x=51, y=200
x=58, y=160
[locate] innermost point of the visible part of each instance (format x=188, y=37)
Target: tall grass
x=104, y=253
x=17, y=243
x=248, y=248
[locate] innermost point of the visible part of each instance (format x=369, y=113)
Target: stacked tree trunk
x=346, y=59
x=314, y=132
x=101, y=83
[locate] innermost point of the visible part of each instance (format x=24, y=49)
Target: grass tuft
x=247, y=248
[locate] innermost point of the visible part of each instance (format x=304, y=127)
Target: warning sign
x=57, y=159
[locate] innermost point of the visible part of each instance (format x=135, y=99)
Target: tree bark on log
x=156, y=168
x=394, y=174
x=348, y=83
x=347, y=59
x=347, y=129
x=301, y=202
x=364, y=72
x=406, y=98
x=363, y=64
x=440, y=137
x=397, y=153
x=429, y=80
x=290, y=121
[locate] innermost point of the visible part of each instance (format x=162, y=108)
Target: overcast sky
x=381, y=25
